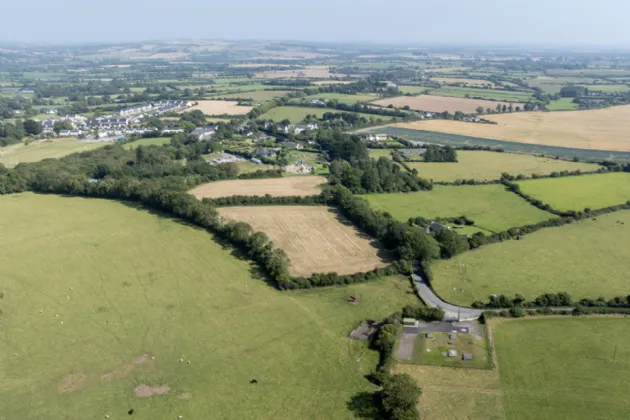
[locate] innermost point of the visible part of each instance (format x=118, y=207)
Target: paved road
x=451, y=312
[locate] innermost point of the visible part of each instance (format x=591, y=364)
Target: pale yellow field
x=280, y=187
x=309, y=72
x=315, y=238
x=457, y=394
x=441, y=103
x=332, y=82
x=210, y=107
x=601, y=129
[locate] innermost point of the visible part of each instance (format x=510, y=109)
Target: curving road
x=451, y=312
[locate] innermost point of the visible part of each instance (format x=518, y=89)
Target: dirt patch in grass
x=185, y=396
x=72, y=382
x=279, y=187
x=316, y=239
x=146, y=391
x=126, y=369
x=216, y=107
x=442, y=103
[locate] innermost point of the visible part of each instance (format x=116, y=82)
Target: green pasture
x=577, y=193
x=492, y=94
x=99, y=297
x=585, y=259
x=157, y=141
x=346, y=99
x=607, y=88
x=35, y=151
x=562, y=104
x=563, y=368
x=414, y=90
x=492, y=207
x=297, y=114
x=378, y=153
x=486, y=166
x=258, y=95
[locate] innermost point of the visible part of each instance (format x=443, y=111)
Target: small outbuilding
x=452, y=336
x=452, y=353
x=429, y=335
x=467, y=356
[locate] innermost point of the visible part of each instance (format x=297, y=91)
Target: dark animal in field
x=130, y=412
x=253, y=381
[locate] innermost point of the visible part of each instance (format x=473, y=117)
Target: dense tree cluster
x=370, y=176
x=425, y=313
x=435, y=153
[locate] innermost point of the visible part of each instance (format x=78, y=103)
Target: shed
x=467, y=356
x=409, y=321
x=429, y=335
x=452, y=336
x=452, y=353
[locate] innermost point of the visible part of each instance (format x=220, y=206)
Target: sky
x=449, y=22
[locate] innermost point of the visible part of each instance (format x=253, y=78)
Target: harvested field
x=600, y=129
x=216, y=107
x=441, y=103
x=316, y=238
x=279, y=187
x=487, y=166
x=332, y=82
x=469, y=82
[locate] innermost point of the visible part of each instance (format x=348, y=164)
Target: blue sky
x=504, y=22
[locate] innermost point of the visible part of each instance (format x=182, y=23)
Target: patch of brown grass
x=125, y=369
x=145, y=391
x=315, y=238
x=600, y=129
x=441, y=103
x=457, y=394
x=72, y=382
x=217, y=107
x=279, y=187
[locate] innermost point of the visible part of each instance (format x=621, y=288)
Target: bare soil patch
x=126, y=369
x=280, y=187
x=217, y=107
x=72, y=382
x=316, y=238
x=145, y=391
x=600, y=129
x=185, y=396
x=442, y=103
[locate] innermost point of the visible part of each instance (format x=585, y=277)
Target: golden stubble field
x=442, y=103
x=316, y=239
x=216, y=107
x=279, y=187
x=600, y=129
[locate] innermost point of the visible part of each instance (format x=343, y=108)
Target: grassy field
x=259, y=95
x=429, y=351
x=586, y=259
x=440, y=103
x=490, y=206
x=79, y=333
x=10, y=156
x=457, y=394
x=346, y=99
x=316, y=239
x=491, y=94
x=274, y=186
x=600, y=129
x=158, y=141
x=482, y=165
x=566, y=370
x=414, y=90
x=459, y=80
x=296, y=114
x=378, y=153
x=608, y=88
x=562, y=104
x=578, y=193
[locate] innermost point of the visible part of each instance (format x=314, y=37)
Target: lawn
x=483, y=165
x=10, y=156
x=297, y=114
x=562, y=104
x=490, y=206
x=430, y=351
x=378, y=153
x=81, y=333
x=585, y=259
x=565, y=371
x=157, y=141
x=578, y=193
x=346, y=99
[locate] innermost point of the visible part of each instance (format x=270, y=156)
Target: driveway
x=451, y=312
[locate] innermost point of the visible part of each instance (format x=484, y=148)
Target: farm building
x=452, y=353
x=467, y=356
x=435, y=226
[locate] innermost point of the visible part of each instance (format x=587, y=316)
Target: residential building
x=204, y=133
x=292, y=145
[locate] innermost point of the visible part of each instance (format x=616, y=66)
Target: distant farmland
x=35, y=151
x=212, y=107
x=482, y=165
x=314, y=237
x=600, y=129
x=441, y=103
